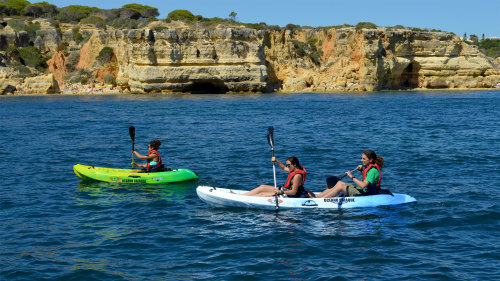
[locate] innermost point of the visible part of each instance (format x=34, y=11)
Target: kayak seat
x=160, y=168
x=386, y=191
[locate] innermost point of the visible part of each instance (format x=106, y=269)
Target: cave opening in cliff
x=205, y=87
x=409, y=76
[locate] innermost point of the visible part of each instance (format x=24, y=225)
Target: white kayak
x=223, y=197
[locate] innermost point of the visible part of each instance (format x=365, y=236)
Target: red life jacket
x=365, y=171
x=288, y=183
x=159, y=159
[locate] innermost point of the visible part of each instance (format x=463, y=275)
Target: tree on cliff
x=144, y=11
x=232, y=15
x=42, y=9
x=14, y=7
x=183, y=15
x=74, y=13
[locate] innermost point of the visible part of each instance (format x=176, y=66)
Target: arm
x=297, y=181
x=148, y=157
x=357, y=181
x=283, y=167
x=139, y=165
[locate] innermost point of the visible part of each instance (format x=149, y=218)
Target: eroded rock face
x=218, y=60
x=42, y=84
x=242, y=59
x=367, y=60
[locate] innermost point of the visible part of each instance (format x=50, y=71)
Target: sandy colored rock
x=177, y=58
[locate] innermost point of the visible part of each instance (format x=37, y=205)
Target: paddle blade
x=332, y=181
x=270, y=136
x=131, y=131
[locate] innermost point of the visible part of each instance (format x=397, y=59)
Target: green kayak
x=91, y=173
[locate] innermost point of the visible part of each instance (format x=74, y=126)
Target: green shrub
x=308, y=49
x=32, y=28
x=183, y=15
x=105, y=55
x=489, y=47
x=77, y=36
x=120, y=23
x=16, y=6
x=97, y=21
x=33, y=57
x=17, y=25
x=75, y=13
x=145, y=11
x=11, y=49
x=109, y=79
x=42, y=9
x=72, y=61
x=300, y=47
x=293, y=27
x=366, y=25
x=22, y=70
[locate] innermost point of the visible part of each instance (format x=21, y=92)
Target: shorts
x=352, y=190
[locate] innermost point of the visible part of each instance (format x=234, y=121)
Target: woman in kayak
x=294, y=186
x=153, y=158
x=369, y=185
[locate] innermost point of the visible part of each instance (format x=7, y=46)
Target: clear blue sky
x=458, y=16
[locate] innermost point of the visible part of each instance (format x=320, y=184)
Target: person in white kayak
x=370, y=184
x=294, y=186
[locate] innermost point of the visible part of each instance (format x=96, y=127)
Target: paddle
x=270, y=140
x=131, y=131
x=332, y=181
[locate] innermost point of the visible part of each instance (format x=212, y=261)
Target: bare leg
x=339, y=187
x=265, y=194
x=260, y=189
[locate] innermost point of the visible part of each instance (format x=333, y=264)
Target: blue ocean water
x=440, y=147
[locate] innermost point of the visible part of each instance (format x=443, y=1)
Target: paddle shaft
x=131, y=131
x=332, y=181
x=270, y=140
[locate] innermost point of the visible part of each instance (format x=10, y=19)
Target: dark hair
x=155, y=144
x=295, y=161
x=374, y=158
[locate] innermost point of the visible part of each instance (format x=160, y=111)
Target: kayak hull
x=222, y=197
x=91, y=173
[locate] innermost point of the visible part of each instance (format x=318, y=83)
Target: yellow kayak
x=91, y=173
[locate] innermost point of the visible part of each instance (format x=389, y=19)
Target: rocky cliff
x=187, y=59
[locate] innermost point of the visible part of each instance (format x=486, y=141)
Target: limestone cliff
x=238, y=59
x=376, y=59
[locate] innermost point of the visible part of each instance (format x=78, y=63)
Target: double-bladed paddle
x=332, y=181
x=131, y=131
x=270, y=140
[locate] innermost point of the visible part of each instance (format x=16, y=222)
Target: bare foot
x=230, y=191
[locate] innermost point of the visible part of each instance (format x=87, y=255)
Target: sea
x=441, y=147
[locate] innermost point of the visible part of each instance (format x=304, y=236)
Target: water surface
x=440, y=147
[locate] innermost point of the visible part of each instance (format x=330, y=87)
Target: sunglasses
x=289, y=165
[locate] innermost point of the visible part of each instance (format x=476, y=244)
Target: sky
x=458, y=16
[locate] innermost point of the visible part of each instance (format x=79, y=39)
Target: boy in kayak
x=154, y=163
x=369, y=185
x=294, y=186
